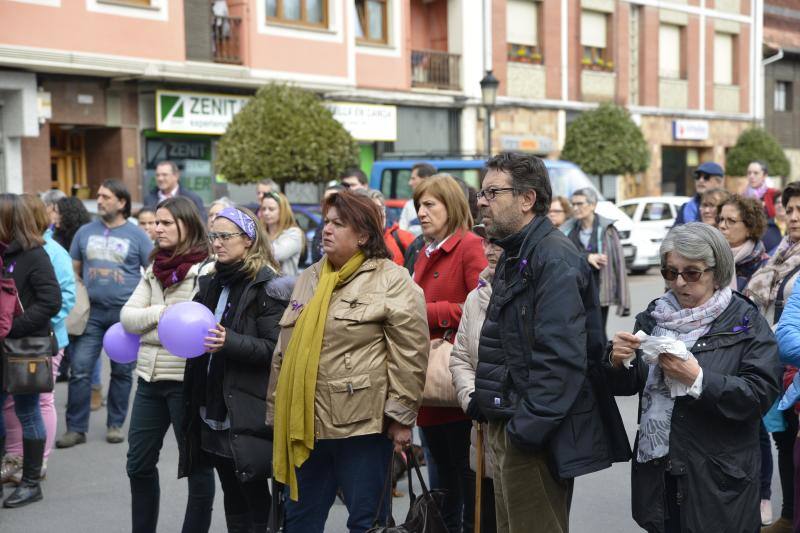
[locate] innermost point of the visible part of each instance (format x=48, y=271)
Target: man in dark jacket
x=168, y=185
x=537, y=349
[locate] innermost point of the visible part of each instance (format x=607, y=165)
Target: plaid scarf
x=763, y=286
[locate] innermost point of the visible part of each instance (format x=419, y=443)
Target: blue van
x=390, y=176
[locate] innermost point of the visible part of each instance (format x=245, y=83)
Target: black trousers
x=249, y=499
x=784, y=442
x=449, y=445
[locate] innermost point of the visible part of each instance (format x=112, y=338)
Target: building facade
x=782, y=77
x=97, y=89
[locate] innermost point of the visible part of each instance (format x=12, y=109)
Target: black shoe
x=29, y=489
x=239, y=523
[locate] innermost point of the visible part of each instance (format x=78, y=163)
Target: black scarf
x=233, y=277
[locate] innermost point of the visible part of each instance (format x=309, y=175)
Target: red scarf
x=171, y=270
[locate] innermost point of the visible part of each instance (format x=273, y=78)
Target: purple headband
x=244, y=222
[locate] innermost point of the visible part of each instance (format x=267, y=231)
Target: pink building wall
x=71, y=27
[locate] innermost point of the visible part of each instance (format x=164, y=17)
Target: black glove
x=474, y=410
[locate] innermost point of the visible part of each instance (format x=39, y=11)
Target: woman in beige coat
x=464, y=360
x=348, y=373
x=180, y=252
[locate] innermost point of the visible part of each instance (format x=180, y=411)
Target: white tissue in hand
x=652, y=347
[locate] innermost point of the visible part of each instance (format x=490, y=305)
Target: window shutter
x=723, y=59
x=593, y=29
x=521, y=22
x=669, y=51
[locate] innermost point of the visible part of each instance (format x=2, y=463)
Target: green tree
x=286, y=134
x=606, y=141
x=756, y=144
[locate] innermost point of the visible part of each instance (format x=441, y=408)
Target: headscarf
x=242, y=221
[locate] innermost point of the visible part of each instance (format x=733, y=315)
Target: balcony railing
x=225, y=33
x=436, y=70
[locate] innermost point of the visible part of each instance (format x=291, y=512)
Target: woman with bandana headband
x=180, y=254
x=225, y=389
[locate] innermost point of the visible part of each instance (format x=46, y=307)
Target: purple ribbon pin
x=296, y=305
x=522, y=265
x=481, y=283
x=744, y=327
x=174, y=277
x=11, y=267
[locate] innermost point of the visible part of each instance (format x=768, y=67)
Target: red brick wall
x=550, y=37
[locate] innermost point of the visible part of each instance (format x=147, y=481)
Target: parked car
x=308, y=217
x=652, y=217
x=390, y=176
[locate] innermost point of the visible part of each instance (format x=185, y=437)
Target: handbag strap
x=387, y=488
x=414, y=465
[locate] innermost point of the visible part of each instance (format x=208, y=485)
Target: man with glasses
x=708, y=176
x=168, y=185
x=541, y=329
x=108, y=255
x=354, y=179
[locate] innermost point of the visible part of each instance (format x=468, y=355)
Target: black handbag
x=423, y=513
x=28, y=364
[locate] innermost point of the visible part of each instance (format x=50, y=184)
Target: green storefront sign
x=199, y=113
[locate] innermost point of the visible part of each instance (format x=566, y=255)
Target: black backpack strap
x=779, y=301
x=397, y=240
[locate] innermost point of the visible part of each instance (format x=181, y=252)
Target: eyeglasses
x=224, y=237
x=727, y=221
x=689, y=276
x=491, y=194
x=704, y=177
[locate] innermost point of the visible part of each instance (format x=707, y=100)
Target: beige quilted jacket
x=141, y=314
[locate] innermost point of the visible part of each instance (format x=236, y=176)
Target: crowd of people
x=313, y=379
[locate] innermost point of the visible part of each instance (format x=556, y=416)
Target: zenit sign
x=203, y=113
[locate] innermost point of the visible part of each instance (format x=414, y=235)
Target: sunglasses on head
x=689, y=276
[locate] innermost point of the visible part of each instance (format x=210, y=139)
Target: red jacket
x=405, y=237
x=446, y=277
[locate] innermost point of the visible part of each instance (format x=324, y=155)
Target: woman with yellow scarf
x=348, y=374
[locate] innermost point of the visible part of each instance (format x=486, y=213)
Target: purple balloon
x=183, y=328
x=121, y=346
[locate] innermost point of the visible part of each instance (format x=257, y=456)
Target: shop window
x=724, y=59
x=371, y=21
x=522, y=26
x=595, y=40
x=783, y=96
x=298, y=12
x=670, y=52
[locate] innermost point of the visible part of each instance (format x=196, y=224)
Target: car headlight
x=624, y=234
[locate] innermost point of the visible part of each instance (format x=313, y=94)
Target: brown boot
x=781, y=525
x=97, y=398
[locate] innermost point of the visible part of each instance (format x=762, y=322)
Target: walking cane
x=478, y=475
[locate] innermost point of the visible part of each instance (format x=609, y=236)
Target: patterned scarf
x=763, y=286
x=686, y=325
x=757, y=193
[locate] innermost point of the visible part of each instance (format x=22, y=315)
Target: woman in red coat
x=447, y=269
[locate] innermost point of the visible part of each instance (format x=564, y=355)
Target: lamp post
x=489, y=85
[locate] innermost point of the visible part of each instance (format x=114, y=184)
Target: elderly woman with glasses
x=705, y=375
x=598, y=239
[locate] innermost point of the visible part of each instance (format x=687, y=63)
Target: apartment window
x=594, y=40
x=783, y=96
x=670, y=52
x=371, y=21
x=300, y=12
x=522, y=26
x=723, y=59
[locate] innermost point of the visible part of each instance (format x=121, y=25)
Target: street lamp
x=489, y=85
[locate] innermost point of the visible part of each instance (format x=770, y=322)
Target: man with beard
x=539, y=344
x=108, y=255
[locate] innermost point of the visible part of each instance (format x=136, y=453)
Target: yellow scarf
x=297, y=383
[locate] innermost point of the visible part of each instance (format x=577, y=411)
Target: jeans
x=85, y=354
x=26, y=406
x=357, y=465
x=155, y=407
x=97, y=374
x=765, y=481
x=449, y=445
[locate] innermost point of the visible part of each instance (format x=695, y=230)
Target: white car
x=652, y=217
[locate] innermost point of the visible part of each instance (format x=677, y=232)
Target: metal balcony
x=435, y=70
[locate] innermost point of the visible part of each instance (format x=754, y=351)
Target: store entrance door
x=674, y=171
x=67, y=158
